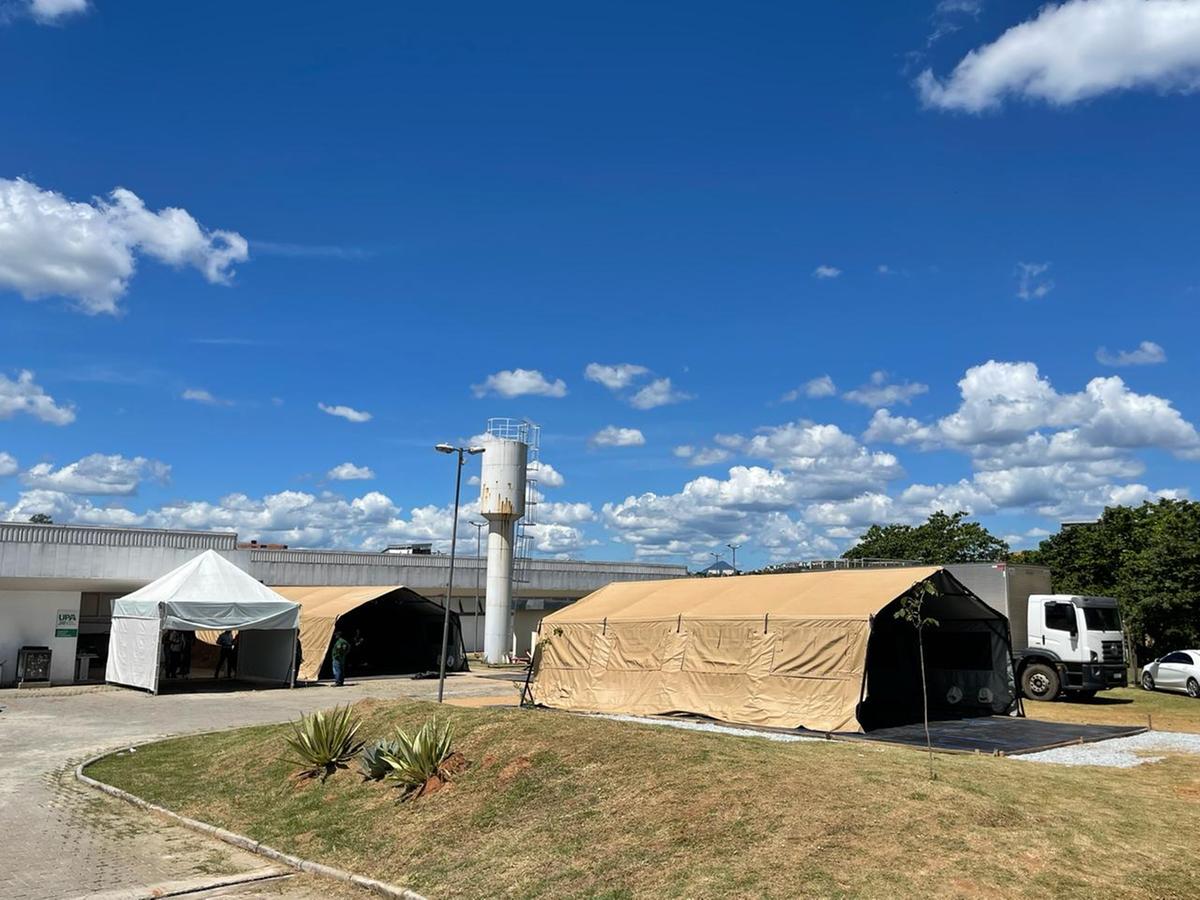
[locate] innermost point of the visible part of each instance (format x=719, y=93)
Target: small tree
x=912, y=611
x=41, y=519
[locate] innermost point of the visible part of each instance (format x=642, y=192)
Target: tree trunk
x=925, y=702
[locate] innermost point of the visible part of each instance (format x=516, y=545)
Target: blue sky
x=434, y=215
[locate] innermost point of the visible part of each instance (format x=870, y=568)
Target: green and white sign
x=67, y=625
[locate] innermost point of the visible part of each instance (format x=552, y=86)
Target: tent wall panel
x=133, y=648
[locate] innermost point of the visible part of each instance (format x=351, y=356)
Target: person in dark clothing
x=338, y=654
x=189, y=639
x=226, y=654
x=175, y=647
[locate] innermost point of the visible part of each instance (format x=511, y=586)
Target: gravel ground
x=704, y=726
x=1118, y=753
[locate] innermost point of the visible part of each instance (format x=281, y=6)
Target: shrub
x=324, y=741
x=371, y=762
x=419, y=757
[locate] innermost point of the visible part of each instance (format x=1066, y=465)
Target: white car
x=1178, y=671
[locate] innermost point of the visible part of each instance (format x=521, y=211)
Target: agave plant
x=420, y=756
x=325, y=741
x=371, y=762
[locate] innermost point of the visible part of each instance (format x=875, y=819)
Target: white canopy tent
x=205, y=593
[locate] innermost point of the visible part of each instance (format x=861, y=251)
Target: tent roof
x=337, y=600
x=208, y=591
x=844, y=594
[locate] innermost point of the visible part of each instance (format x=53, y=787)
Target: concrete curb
x=240, y=840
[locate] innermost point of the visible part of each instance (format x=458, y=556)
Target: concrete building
x=63, y=578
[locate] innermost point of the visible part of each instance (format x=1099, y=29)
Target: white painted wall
x=28, y=617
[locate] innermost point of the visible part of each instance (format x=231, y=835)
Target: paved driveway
x=60, y=840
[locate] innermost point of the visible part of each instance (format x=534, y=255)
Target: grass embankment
x=1124, y=706
x=556, y=805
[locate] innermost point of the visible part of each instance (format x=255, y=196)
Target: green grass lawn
x=556, y=805
x=1124, y=706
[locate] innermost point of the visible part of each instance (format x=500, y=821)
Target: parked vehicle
x=1178, y=671
x=1062, y=644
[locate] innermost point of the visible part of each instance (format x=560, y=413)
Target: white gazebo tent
x=205, y=593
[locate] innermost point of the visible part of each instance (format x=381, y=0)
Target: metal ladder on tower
x=524, y=539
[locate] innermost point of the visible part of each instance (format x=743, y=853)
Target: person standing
x=339, y=652
x=225, y=654
x=175, y=647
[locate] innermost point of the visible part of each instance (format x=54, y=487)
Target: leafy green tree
x=1148, y=557
x=942, y=539
x=41, y=519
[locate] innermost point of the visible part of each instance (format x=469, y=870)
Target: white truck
x=1062, y=644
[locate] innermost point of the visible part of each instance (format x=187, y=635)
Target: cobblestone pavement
x=61, y=839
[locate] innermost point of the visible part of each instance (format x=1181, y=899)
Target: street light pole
x=734, y=548
x=447, y=448
x=478, y=526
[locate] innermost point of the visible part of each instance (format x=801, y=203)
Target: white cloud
x=349, y=413
x=200, y=395
x=564, y=513
x=823, y=272
x=97, y=474
x=702, y=456
x=86, y=251
x=885, y=269
x=1077, y=50
x=547, y=476
x=25, y=396
x=1030, y=284
x=1147, y=353
x=348, y=471
x=614, y=377
x=612, y=436
x=50, y=11
x=8, y=464
x=821, y=386
x=878, y=392
x=659, y=392
x=520, y=383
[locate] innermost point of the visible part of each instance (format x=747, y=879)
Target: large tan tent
x=394, y=629
x=819, y=650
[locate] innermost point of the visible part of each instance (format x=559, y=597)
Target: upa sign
x=67, y=624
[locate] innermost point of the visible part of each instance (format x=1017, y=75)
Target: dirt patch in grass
x=567, y=806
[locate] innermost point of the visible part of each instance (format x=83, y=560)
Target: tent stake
x=765, y=615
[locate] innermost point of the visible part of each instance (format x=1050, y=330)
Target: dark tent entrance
x=391, y=630
x=968, y=662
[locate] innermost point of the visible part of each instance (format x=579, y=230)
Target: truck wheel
x=1040, y=682
x=1193, y=688
x=1147, y=681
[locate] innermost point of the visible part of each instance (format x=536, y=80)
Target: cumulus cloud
x=1147, y=353
x=815, y=388
x=1074, y=51
x=659, y=392
x=824, y=272
x=24, y=395
x=546, y=475
x=349, y=413
x=200, y=395
x=1030, y=283
x=879, y=392
x=97, y=474
x=87, y=251
x=613, y=436
x=8, y=464
x=49, y=12
x=520, y=383
x=348, y=471
x=614, y=377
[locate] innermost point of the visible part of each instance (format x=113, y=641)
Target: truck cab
x=1074, y=645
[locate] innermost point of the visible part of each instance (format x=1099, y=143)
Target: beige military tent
x=393, y=629
x=818, y=650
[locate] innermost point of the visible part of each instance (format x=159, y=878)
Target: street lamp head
x=443, y=448
x=475, y=450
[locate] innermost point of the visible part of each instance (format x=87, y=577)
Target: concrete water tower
x=502, y=503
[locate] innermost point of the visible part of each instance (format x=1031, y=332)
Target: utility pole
x=734, y=548
x=448, y=448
